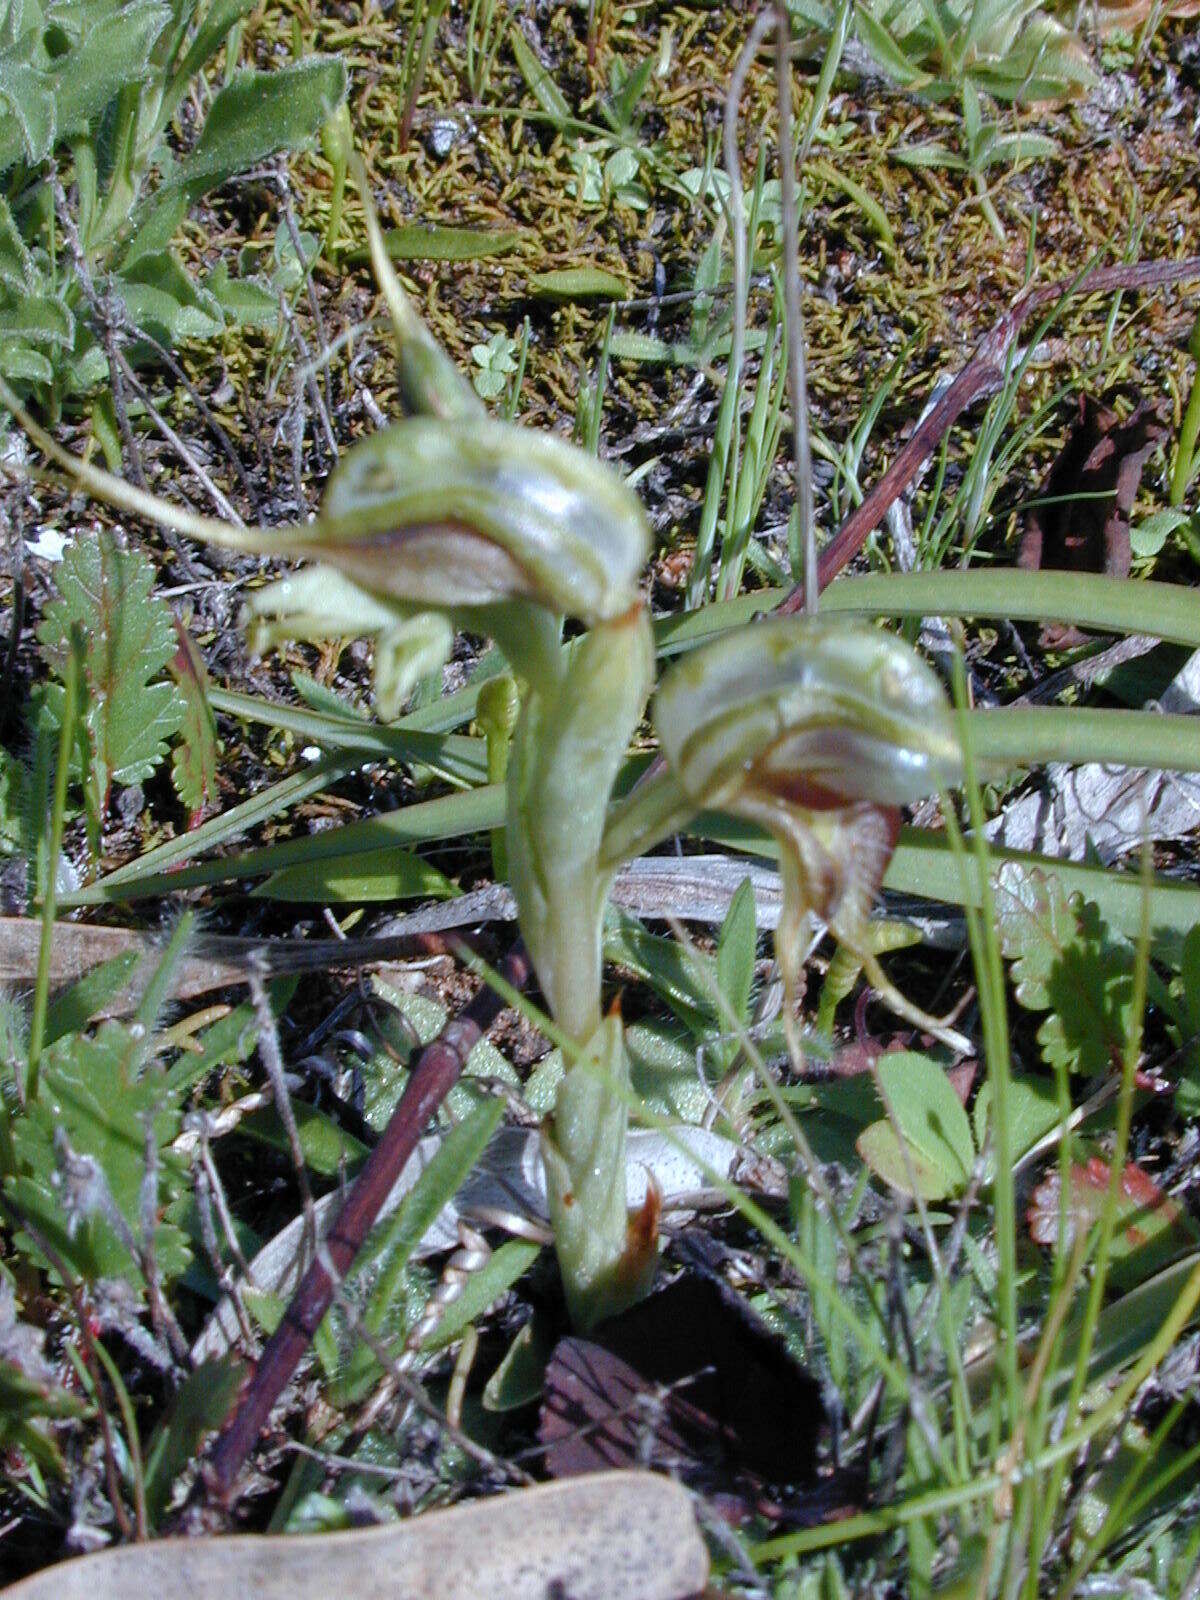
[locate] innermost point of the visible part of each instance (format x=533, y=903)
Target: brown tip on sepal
x=614, y=1009
x=641, y=1235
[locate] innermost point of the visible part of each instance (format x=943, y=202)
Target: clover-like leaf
x=930, y=1142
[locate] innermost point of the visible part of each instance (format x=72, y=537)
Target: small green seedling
x=815, y=730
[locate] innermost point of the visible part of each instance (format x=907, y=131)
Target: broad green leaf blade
x=75, y=1007
x=578, y=283
x=201, y=1405
x=419, y=241
x=931, y=1121
x=504, y=1267
x=386, y=874
x=545, y=91
x=258, y=114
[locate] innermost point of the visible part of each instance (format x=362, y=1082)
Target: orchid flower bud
x=818, y=711
x=817, y=730
x=473, y=512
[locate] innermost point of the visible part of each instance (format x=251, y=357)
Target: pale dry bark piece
x=1109, y=808
x=692, y=888
x=613, y=1536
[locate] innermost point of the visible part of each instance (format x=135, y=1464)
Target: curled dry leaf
x=1081, y=522
x=616, y=1536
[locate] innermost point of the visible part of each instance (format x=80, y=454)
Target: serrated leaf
x=129, y=639
x=194, y=760
x=932, y=1123
x=1149, y=1226
x=95, y=1090
x=1065, y=962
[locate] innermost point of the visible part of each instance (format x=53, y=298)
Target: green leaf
x=75, y=1007
x=96, y=1092
x=22, y=365
x=372, y=875
x=1147, y=537
x=129, y=638
x=201, y=1404
x=735, y=954
x=245, y=301
x=194, y=761
x=208, y=39
x=502, y=1269
x=420, y=241
x=1033, y=1111
x=891, y=56
x=38, y=320
x=932, y=1123
x=386, y=1254
x=578, y=283
x=163, y=317
x=1066, y=963
x=114, y=52
x=545, y=91
x=258, y=114
x=27, y=117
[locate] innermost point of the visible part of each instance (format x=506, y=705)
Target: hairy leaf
x=259, y=113
x=82, y=1148
x=129, y=639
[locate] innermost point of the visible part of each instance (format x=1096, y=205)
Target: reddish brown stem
x=983, y=372
x=438, y=1068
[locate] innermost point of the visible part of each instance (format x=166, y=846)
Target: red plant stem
x=983, y=372
x=438, y=1068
